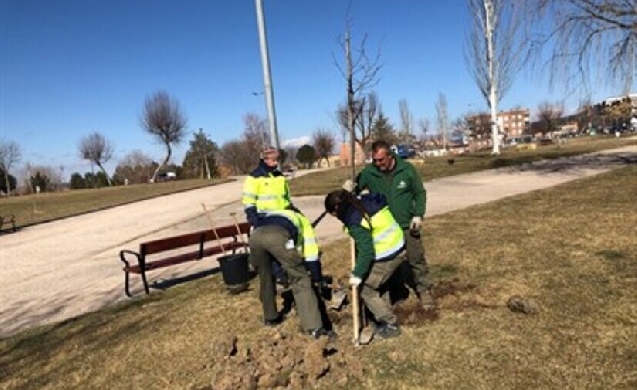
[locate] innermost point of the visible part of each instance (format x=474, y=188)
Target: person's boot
x=386, y=330
x=322, y=332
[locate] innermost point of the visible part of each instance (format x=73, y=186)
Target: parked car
x=167, y=176
x=404, y=151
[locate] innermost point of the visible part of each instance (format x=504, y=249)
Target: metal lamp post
x=267, y=79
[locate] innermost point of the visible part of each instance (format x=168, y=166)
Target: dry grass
x=570, y=248
x=37, y=208
x=437, y=167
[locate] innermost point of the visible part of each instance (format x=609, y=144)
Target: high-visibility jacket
x=302, y=236
x=377, y=235
x=265, y=189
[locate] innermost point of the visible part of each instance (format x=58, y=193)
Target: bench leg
x=143, y=272
x=126, y=283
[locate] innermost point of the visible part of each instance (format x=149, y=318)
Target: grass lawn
x=49, y=206
x=437, y=167
x=571, y=249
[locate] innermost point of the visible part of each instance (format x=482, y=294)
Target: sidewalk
x=61, y=269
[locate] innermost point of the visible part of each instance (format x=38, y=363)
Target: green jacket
x=403, y=188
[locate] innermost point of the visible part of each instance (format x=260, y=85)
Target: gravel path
x=58, y=270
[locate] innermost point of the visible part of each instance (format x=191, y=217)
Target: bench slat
x=185, y=257
x=183, y=240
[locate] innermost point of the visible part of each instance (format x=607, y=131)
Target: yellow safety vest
x=266, y=193
x=387, y=234
x=307, y=244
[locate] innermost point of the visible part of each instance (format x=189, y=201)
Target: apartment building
x=512, y=123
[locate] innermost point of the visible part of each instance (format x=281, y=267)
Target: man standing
x=265, y=190
x=403, y=187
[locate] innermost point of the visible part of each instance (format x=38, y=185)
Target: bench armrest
x=122, y=256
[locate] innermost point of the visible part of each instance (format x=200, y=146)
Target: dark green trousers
x=266, y=244
x=419, y=281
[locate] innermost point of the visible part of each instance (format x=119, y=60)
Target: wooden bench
x=156, y=254
x=7, y=219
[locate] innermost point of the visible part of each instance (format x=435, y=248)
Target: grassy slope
x=55, y=205
x=570, y=248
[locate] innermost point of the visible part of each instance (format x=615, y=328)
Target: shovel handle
x=355, y=302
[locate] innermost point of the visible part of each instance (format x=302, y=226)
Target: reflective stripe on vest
x=386, y=233
x=265, y=193
x=307, y=244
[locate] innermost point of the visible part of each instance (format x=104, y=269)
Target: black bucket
x=234, y=269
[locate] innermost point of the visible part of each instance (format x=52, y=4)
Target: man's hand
x=416, y=223
x=348, y=185
x=355, y=281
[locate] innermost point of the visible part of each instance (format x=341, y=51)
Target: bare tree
x=360, y=73
x=323, y=142
x=254, y=133
x=365, y=114
x=98, y=150
x=586, y=35
x=406, y=122
x=549, y=115
x=236, y=157
x=163, y=118
x=136, y=167
x=493, y=52
x=423, y=125
x=10, y=154
x=442, y=119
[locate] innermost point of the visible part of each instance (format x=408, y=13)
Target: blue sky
x=71, y=67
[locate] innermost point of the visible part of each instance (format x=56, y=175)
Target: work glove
x=416, y=223
x=355, y=281
x=348, y=185
x=325, y=290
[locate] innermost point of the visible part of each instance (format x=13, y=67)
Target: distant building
x=345, y=152
x=512, y=123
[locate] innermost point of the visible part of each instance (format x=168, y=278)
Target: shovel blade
x=338, y=299
x=366, y=336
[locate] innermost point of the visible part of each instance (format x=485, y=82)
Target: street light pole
x=267, y=79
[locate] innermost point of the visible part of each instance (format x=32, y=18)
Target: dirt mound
x=281, y=360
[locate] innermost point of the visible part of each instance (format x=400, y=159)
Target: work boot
x=273, y=322
x=427, y=300
x=320, y=332
x=386, y=331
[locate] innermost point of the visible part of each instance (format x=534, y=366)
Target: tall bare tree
x=10, y=154
x=365, y=114
x=587, y=38
x=323, y=142
x=493, y=52
x=360, y=73
x=163, y=118
x=406, y=122
x=424, y=126
x=255, y=133
x=442, y=119
x=549, y=116
x=98, y=150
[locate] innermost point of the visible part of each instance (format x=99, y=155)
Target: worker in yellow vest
x=264, y=190
x=379, y=242
x=287, y=237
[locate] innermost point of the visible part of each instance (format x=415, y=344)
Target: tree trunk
x=108, y=178
x=493, y=93
x=164, y=163
x=8, y=182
